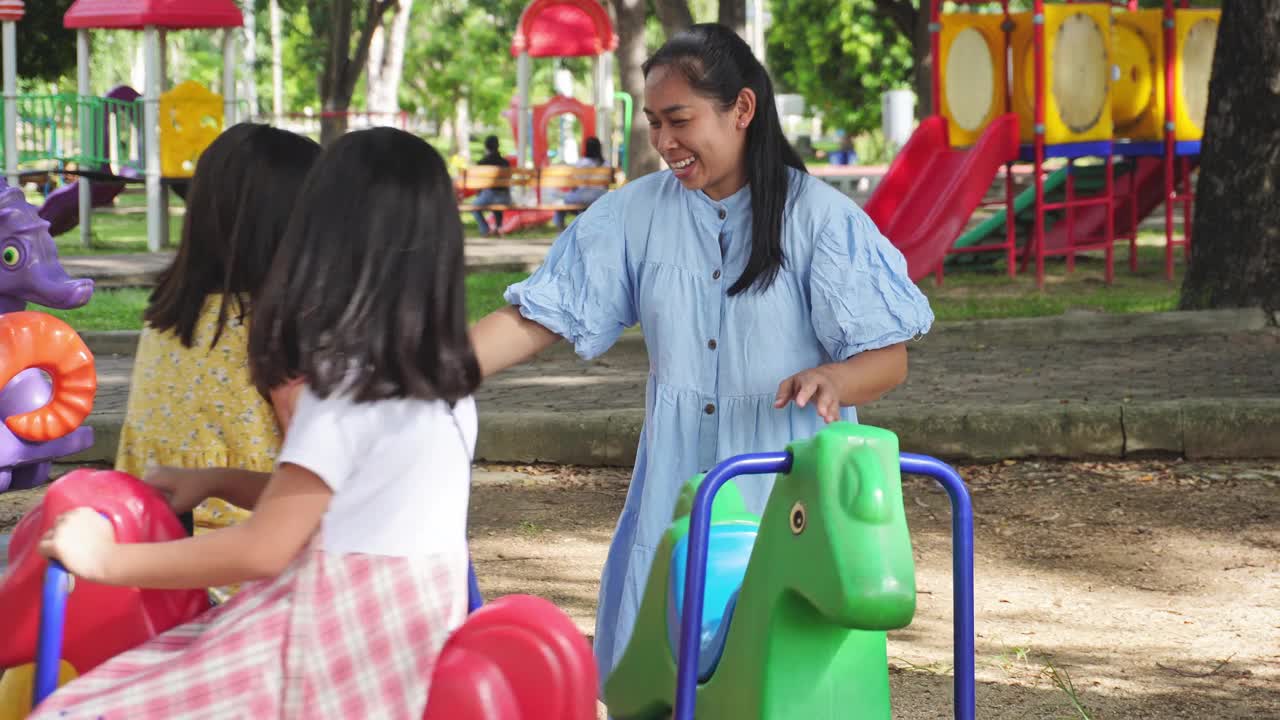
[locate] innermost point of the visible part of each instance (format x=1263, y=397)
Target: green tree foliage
x=459, y=49
x=301, y=56
x=46, y=50
x=462, y=49
x=840, y=56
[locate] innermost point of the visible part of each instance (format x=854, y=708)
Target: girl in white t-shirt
x=357, y=542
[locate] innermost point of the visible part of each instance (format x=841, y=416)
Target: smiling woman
x=701, y=103
x=770, y=303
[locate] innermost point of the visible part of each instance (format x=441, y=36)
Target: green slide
x=1090, y=179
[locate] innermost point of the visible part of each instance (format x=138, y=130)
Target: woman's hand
x=183, y=489
x=862, y=379
x=818, y=385
x=82, y=540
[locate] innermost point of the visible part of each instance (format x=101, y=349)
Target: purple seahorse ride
x=30, y=273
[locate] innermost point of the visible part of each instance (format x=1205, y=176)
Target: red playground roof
x=167, y=14
x=10, y=10
x=564, y=28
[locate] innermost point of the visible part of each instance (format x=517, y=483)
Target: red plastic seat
x=517, y=658
x=102, y=621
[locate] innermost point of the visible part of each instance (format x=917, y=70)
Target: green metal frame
x=70, y=129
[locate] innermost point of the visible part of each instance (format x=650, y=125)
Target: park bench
x=553, y=177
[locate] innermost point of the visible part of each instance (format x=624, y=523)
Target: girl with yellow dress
x=191, y=403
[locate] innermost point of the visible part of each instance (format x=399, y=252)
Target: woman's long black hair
x=718, y=65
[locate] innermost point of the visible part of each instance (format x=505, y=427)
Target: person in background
x=491, y=196
x=586, y=194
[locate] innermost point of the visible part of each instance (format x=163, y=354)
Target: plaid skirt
x=334, y=636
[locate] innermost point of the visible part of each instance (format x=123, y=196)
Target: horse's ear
x=872, y=491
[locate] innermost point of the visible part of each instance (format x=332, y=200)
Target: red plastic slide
x=930, y=190
x=1087, y=223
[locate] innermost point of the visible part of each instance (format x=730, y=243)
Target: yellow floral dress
x=197, y=408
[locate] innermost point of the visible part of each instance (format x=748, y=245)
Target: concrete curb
x=1068, y=327
x=1195, y=429
x=1085, y=326
x=1201, y=428
x=111, y=342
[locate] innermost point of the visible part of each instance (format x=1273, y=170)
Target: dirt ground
x=1132, y=590
x=1147, y=589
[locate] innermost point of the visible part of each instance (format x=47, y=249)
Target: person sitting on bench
x=587, y=194
x=491, y=196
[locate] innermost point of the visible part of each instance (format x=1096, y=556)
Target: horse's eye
x=11, y=256
x=799, y=518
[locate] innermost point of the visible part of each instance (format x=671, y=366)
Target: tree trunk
x=277, y=65
x=386, y=64
x=674, y=15
x=462, y=130
x=733, y=13
x=923, y=80
x=342, y=67
x=913, y=23
x=631, y=55
x=1235, y=251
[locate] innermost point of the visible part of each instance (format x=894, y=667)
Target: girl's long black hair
x=718, y=65
x=367, y=293
x=241, y=195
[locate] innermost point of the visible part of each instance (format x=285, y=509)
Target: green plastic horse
x=831, y=570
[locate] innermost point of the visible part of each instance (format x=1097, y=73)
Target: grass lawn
x=965, y=294
x=123, y=227
x=121, y=309
x=968, y=292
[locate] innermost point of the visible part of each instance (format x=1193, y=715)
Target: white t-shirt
x=400, y=471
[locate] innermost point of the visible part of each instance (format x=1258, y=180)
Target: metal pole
x=229, y=77
x=1170, y=59
x=935, y=70
x=1037, y=237
x=87, y=138
x=963, y=633
x=277, y=66
x=604, y=101
x=156, y=220
x=523, y=124
x=10, y=37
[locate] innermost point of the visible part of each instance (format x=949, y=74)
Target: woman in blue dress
x=770, y=303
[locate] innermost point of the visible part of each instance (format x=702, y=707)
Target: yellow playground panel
x=1139, y=93
x=972, y=73
x=1077, y=73
x=190, y=119
x=1103, y=72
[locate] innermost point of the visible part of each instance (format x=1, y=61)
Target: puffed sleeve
x=861, y=296
x=583, y=290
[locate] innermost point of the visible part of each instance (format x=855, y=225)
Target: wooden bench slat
x=493, y=177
